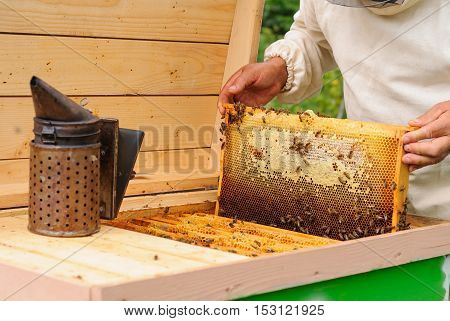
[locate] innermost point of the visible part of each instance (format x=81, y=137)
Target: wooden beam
x=157, y=172
x=87, y=66
x=281, y=271
x=187, y=20
x=169, y=122
x=168, y=200
x=243, y=49
x=112, y=255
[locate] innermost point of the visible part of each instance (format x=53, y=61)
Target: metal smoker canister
x=64, y=166
x=64, y=178
x=80, y=165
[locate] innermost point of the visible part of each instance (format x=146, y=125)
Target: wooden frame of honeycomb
x=341, y=179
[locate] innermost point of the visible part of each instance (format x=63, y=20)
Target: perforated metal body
x=64, y=190
x=341, y=179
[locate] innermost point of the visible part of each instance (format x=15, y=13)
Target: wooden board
x=158, y=172
x=112, y=255
x=169, y=122
x=187, y=20
x=119, y=265
x=281, y=271
x=86, y=66
x=243, y=50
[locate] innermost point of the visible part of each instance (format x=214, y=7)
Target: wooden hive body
x=158, y=66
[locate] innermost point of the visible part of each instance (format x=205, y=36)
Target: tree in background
x=277, y=20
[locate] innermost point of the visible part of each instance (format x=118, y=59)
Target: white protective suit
x=395, y=65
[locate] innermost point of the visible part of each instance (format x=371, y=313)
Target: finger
x=435, y=129
x=419, y=160
x=242, y=82
x=434, y=113
x=438, y=147
x=225, y=96
x=233, y=77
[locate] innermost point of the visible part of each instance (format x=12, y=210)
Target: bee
x=273, y=225
x=269, y=250
x=358, y=215
x=342, y=180
x=377, y=230
x=250, y=113
x=222, y=146
x=258, y=243
x=366, y=231
x=331, y=211
x=308, y=147
x=340, y=219
x=318, y=133
x=263, y=119
x=283, y=220
x=166, y=209
x=223, y=126
x=340, y=157
x=382, y=230
x=326, y=230
x=231, y=224
x=347, y=175
x=305, y=161
x=341, y=237
x=298, y=169
x=393, y=186
x=155, y=257
x=385, y=183
x=371, y=222
x=402, y=188
x=257, y=153
x=350, y=154
x=359, y=231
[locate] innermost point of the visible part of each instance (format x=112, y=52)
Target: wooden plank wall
x=155, y=65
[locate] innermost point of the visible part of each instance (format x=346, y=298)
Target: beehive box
x=157, y=66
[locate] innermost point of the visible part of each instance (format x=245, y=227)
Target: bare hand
x=430, y=144
x=254, y=84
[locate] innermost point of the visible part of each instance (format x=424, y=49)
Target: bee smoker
x=80, y=165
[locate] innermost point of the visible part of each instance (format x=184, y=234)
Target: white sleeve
x=307, y=54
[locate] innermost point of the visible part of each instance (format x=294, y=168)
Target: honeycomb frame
x=337, y=178
x=225, y=234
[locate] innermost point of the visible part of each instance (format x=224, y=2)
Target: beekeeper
x=395, y=60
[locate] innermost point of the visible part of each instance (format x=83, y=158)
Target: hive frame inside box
x=239, y=277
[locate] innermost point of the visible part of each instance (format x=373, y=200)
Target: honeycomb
x=221, y=233
x=336, y=178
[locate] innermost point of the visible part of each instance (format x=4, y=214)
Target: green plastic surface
x=422, y=280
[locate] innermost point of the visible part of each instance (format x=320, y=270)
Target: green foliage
x=277, y=20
